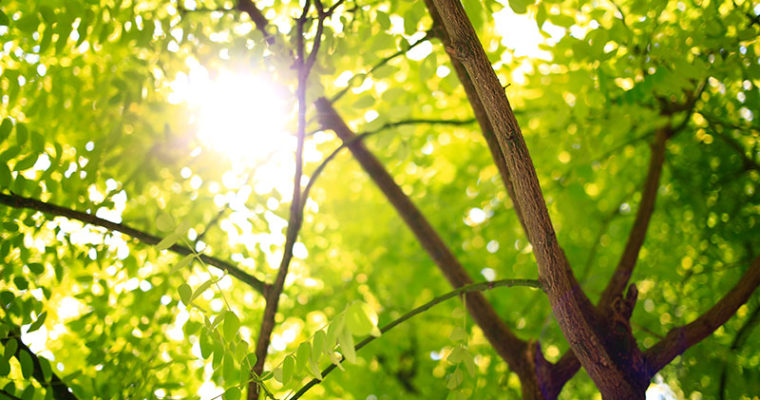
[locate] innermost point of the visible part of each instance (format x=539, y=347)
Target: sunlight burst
x=239, y=115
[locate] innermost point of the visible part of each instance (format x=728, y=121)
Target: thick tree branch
x=471, y=288
x=480, y=112
x=616, y=375
x=17, y=201
x=60, y=390
x=680, y=339
x=507, y=345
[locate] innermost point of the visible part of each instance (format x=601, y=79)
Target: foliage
x=161, y=291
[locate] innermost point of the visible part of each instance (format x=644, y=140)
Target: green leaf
x=359, y=319
x=38, y=142
x=318, y=345
x=314, y=369
x=5, y=367
x=346, y=341
x=27, y=365
x=365, y=101
x=11, y=346
x=458, y=355
x=232, y=393
x=520, y=6
x=5, y=176
x=48, y=15
x=36, y=268
x=185, y=292
x=230, y=326
x=458, y=334
x=303, y=355
x=26, y=163
x=205, y=342
x=10, y=153
x=28, y=393
x=4, y=21
x=165, y=223
x=5, y=126
x=22, y=134
x=169, y=241
x=454, y=379
x=182, y=263
x=288, y=367
x=202, y=288
x=47, y=371
x=38, y=322
x=28, y=23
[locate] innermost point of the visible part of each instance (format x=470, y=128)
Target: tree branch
x=331, y=156
x=680, y=339
x=17, y=201
x=471, y=288
x=304, y=64
x=59, y=388
x=382, y=62
x=511, y=348
x=257, y=17
x=614, y=374
x=479, y=111
x=636, y=237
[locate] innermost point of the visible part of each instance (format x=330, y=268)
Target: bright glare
x=237, y=114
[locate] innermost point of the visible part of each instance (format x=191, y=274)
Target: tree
x=149, y=262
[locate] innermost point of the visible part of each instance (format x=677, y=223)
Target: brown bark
x=256, y=16
x=512, y=349
x=681, y=338
x=638, y=233
x=17, y=201
x=480, y=112
x=574, y=312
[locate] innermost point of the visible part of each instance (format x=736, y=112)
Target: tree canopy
x=379, y=200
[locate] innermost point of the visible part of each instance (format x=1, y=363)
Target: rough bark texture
x=479, y=111
x=515, y=351
x=575, y=314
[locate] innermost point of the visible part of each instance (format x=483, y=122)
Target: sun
x=239, y=115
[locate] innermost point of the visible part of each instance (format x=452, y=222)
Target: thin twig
x=475, y=287
x=380, y=63
x=323, y=164
x=304, y=65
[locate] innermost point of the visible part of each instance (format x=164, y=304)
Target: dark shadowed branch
x=17, y=201
x=680, y=339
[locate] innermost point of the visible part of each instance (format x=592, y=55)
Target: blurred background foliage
x=89, y=123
